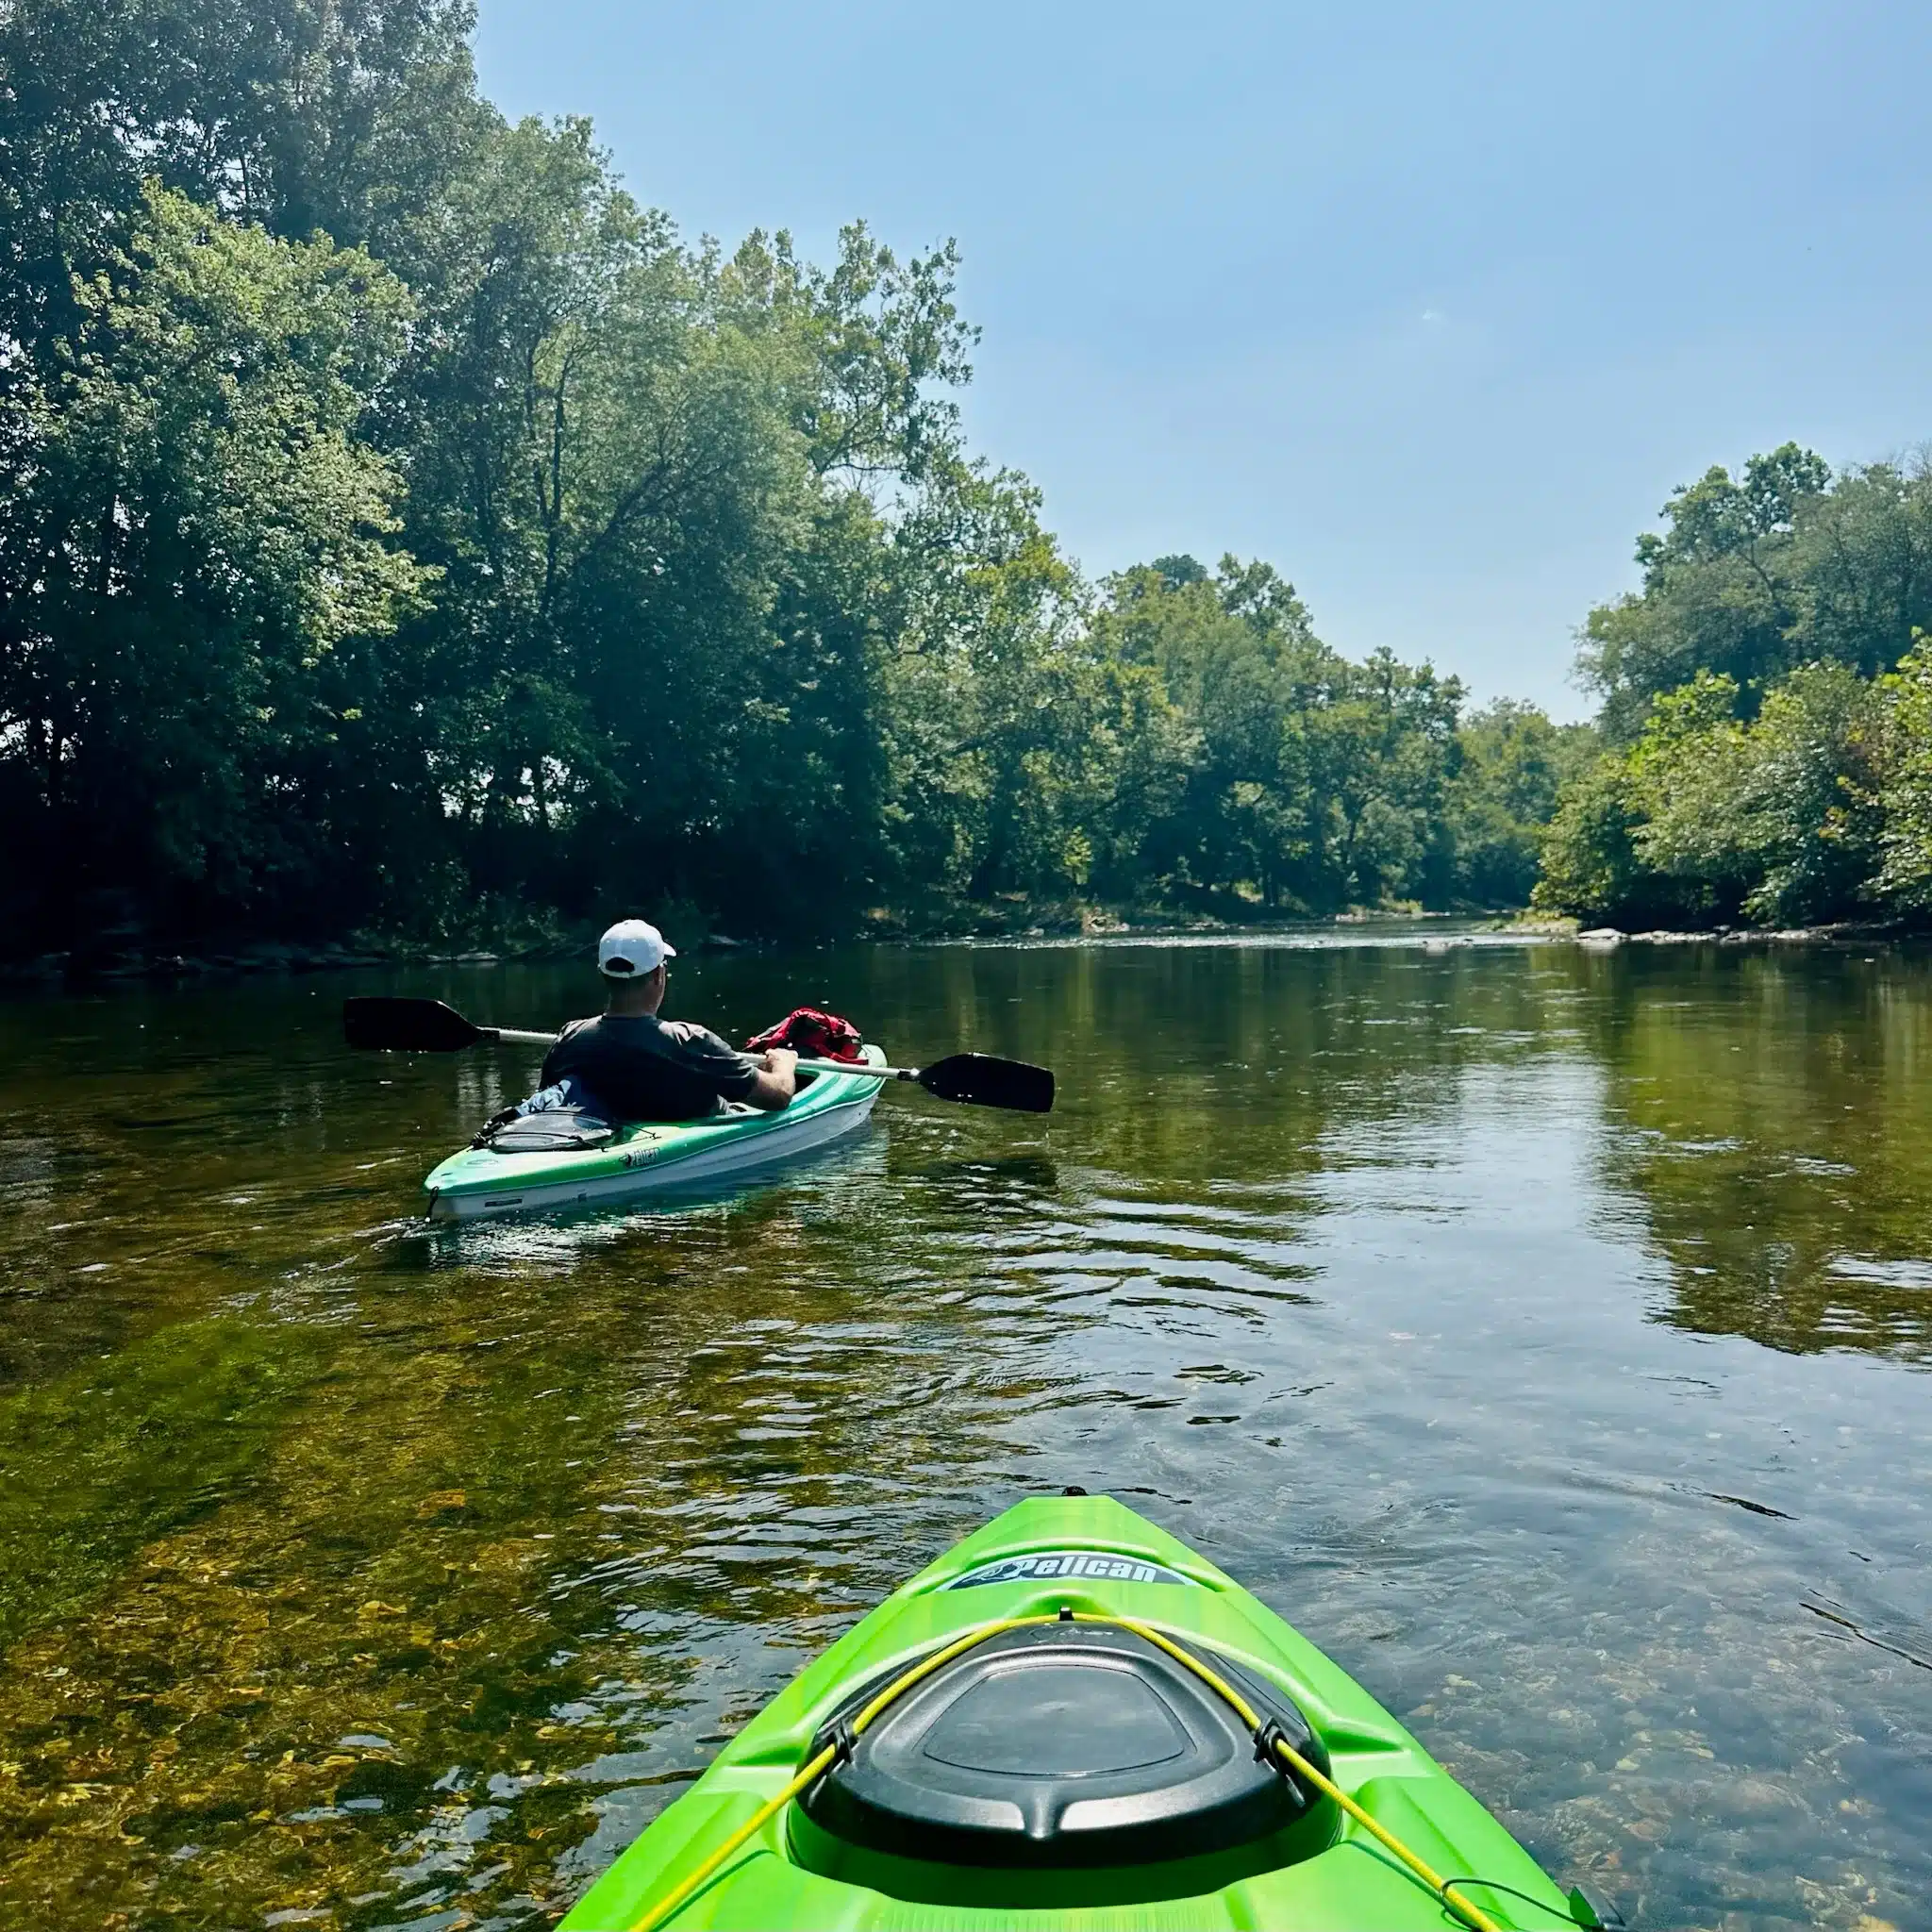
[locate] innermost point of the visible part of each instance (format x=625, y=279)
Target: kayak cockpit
x=1055, y=1762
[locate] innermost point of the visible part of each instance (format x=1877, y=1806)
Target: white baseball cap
x=631, y=949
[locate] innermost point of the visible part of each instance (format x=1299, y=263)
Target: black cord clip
x=1268, y=1733
x=839, y=1739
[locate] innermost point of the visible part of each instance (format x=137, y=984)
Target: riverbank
x=58, y=969
x=273, y=956
x=1020, y=922
x=127, y=955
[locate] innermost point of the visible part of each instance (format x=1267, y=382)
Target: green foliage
x=1751, y=579
x=1586, y=860
x=1708, y=815
x=1513, y=764
x=191, y=531
x=1763, y=763
x=400, y=521
x=1905, y=790
x=1300, y=781
x=298, y=115
x=1776, y=815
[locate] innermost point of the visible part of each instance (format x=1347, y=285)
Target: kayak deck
x=648, y=1156
x=1322, y=1871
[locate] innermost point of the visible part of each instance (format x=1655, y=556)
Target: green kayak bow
x=1072, y=1721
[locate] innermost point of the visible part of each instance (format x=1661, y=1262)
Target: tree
x=1511, y=765
x=695, y=592
x=349, y=117
x=1763, y=763
x=1709, y=814
x=190, y=532
x=1905, y=790
x=1753, y=578
x=1233, y=653
x=1776, y=815
x=1587, y=862
x=1316, y=783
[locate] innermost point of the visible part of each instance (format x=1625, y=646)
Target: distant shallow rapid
x=1542, y=1331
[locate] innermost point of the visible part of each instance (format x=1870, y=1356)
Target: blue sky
x=1430, y=306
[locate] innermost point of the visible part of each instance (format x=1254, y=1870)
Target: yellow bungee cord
x=656, y=1915
x=1471, y=1915
x=680, y=1894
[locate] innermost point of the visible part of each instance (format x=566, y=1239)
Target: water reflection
x=1778, y=1117
x=1538, y=1331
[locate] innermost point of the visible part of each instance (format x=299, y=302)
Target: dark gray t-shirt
x=646, y=1069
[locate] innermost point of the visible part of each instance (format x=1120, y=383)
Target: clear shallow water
x=1544, y=1334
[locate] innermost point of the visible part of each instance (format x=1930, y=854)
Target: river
x=1544, y=1333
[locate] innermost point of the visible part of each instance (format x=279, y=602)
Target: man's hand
x=778, y=1080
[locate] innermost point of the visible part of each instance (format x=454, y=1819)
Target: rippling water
x=1544, y=1333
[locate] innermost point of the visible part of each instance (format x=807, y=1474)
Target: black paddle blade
x=982, y=1080
x=408, y=1026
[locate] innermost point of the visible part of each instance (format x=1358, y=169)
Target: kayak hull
x=652, y=1157
x=1039, y=1561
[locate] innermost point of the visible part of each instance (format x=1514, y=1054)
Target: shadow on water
x=1542, y=1333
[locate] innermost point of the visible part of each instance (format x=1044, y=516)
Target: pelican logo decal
x=1069, y=1566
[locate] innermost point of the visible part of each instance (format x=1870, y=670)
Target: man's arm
x=777, y=1080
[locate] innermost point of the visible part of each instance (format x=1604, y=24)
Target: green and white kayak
x=1072, y=1721
x=652, y=1157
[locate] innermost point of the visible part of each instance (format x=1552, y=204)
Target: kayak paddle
x=979, y=1079
x=423, y=1026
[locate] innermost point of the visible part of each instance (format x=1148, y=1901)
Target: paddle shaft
x=418, y=1026
x=517, y=1036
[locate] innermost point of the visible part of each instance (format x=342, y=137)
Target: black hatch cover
x=1063, y=1745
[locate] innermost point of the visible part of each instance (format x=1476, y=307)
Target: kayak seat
x=1058, y=1747
x=553, y=1130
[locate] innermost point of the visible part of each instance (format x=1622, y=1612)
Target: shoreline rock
x=1843, y=932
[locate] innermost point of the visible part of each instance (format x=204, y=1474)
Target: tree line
x=404, y=528
x=1767, y=708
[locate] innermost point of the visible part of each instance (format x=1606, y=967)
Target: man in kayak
x=633, y=1066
